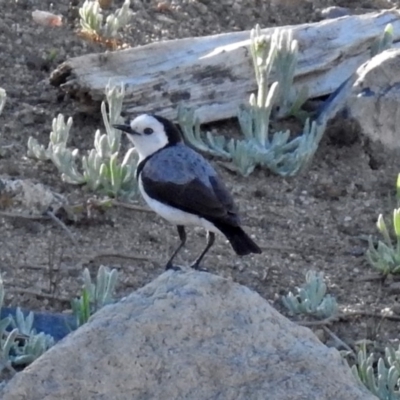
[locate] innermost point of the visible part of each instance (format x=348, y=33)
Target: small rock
x=320, y=334
x=104, y=4
x=35, y=62
x=203, y=9
x=4, y=28
x=46, y=18
x=394, y=288
x=396, y=308
x=31, y=115
x=27, y=197
x=357, y=251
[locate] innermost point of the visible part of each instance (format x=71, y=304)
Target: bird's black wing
x=181, y=178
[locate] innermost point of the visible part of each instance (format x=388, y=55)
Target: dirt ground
x=312, y=221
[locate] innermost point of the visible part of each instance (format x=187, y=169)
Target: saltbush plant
x=384, y=256
x=381, y=376
x=104, y=170
x=275, y=151
x=384, y=42
x=311, y=299
x=92, y=21
x=20, y=344
x=94, y=295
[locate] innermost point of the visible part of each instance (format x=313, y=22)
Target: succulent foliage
x=102, y=168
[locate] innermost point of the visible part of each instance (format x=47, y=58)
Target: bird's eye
x=148, y=131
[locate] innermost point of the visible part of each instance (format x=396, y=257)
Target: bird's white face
x=148, y=135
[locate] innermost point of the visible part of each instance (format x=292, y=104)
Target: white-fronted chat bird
x=182, y=187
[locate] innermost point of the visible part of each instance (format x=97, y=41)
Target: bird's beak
x=125, y=128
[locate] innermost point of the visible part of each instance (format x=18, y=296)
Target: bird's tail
x=239, y=240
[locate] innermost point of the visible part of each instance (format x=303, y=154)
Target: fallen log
x=214, y=74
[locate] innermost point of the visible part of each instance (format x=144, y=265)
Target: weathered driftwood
x=215, y=75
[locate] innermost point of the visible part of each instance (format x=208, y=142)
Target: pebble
x=396, y=308
x=394, y=288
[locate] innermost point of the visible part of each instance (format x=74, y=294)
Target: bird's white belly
x=174, y=215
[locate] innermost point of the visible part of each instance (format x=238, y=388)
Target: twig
x=371, y=277
x=280, y=248
x=368, y=314
x=19, y=336
x=48, y=215
x=325, y=321
x=39, y=294
x=63, y=227
x=131, y=206
x=64, y=268
x=120, y=255
x=347, y=315
x=338, y=340
x=23, y=216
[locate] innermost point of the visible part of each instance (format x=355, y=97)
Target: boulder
x=188, y=335
x=374, y=100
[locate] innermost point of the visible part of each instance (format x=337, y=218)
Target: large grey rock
x=188, y=335
x=374, y=101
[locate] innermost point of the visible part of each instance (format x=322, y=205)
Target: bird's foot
x=173, y=267
x=197, y=267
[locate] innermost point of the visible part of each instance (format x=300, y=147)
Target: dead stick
x=368, y=314
x=337, y=339
x=120, y=255
x=23, y=216
x=49, y=215
x=346, y=315
x=132, y=206
x=325, y=321
x=63, y=227
x=39, y=294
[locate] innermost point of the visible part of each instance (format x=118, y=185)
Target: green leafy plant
x=398, y=189
x=94, y=295
x=92, y=19
x=384, y=42
x=311, y=298
x=382, y=377
x=102, y=169
x=7, y=341
x=34, y=345
x=57, y=150
x=22, y=344
x=385, y=256
x=277, y=151
x=52, y=55
x=190, y=125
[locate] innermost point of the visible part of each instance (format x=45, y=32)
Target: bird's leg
x=210, y=242
x=182, y=237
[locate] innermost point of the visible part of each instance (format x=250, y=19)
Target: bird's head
x=150, y=133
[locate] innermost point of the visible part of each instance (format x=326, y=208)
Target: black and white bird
x=182, y=187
